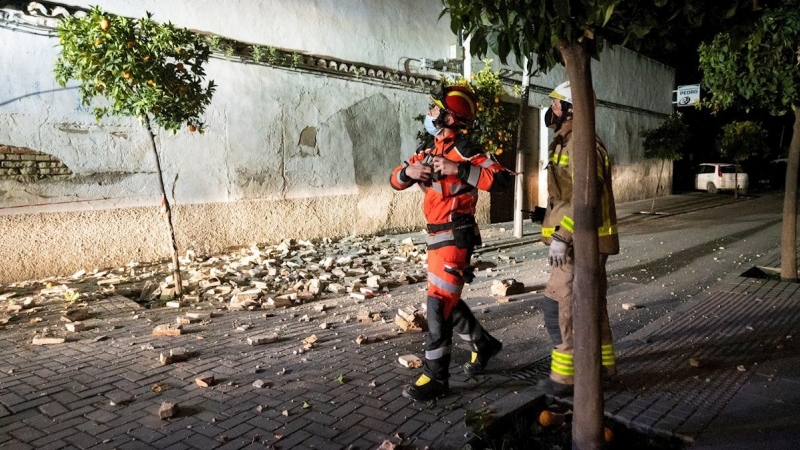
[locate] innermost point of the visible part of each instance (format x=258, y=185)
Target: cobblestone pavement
x=103, y=388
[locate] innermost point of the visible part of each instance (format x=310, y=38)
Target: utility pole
x=519, y=186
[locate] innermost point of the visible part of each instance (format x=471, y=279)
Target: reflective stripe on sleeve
x=568, y=224
x=474, y=175
x=401, y=182
x=548, y=231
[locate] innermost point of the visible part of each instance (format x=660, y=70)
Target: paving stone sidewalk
x=104, y=388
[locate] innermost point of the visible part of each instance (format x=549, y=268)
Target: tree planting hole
x=763, y=273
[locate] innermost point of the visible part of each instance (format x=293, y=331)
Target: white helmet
x=562, y=92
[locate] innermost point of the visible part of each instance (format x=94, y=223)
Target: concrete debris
x=205, y=381
x=75, y=327
x=694, y=362
x=167, y=330
x=509, y=286
x=199, y=315
x=47, y=340
x=410, y=361
x=262, y=339
x=308, y=343
x=741, y=368
x=175, y=355
x=361, y=339
x=629, y=306
x=259, y=384
x=175, y=304
x=75, y=314
x=324, y=326
x=167, y=410
x=409, y=319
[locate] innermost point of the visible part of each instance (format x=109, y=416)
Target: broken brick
x=167, y=330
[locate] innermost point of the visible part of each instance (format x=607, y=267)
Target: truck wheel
x=711, y=188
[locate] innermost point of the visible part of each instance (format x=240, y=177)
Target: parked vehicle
x=712, y=177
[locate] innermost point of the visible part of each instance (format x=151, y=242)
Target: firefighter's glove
x=537, y=215
x=558, y=253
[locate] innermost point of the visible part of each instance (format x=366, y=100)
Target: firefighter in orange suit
x=450, y=171
x=557, y=231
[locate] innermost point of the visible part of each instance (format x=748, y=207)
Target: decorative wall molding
x=42, y=18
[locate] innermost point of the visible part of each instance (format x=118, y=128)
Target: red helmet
x=458, y=101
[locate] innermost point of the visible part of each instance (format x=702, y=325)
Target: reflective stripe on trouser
x=559, y=288
x=446, y=311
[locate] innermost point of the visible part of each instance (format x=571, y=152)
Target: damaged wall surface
x=287, y=153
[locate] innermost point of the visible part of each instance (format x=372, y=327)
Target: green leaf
x=340, y=379
x=609, y=12
x=306, y=405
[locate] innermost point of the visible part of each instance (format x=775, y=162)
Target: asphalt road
x=665, y=261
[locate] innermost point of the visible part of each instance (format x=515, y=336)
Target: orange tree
x=495, y=123
x=758, y=66
x=139, y=68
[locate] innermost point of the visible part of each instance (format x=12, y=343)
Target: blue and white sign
x=688, y=95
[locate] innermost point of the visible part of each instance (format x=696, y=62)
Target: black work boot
x=554, y=388
x=426, y=389
x=480, y=359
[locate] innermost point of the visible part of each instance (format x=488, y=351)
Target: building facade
x=299, y=149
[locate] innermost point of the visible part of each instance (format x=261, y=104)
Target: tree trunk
x=587, y=431
x=176, y=266
x=519, y=185
x=789, y=228
x=658, y=186
x=735, y=180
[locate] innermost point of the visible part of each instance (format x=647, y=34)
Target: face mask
x=551, y=120
x=430, y=127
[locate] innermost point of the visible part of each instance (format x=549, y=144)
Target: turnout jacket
x=559, y=219
x=453, y=196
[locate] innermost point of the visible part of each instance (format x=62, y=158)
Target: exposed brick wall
x=26, y=165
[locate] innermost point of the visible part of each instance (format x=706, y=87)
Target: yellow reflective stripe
x=560, y=160
x=562, y=370
x=565, y=358
x=568, y=223
x=608, y=355
x=548, y=231
x=562, y=364
x=607, y=230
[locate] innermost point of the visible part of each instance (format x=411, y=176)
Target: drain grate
x=534, y=372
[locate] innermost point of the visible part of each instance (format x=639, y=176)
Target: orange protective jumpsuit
x=449, y=208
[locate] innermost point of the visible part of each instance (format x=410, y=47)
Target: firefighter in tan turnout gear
x=450, y=171
x=557, y=230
